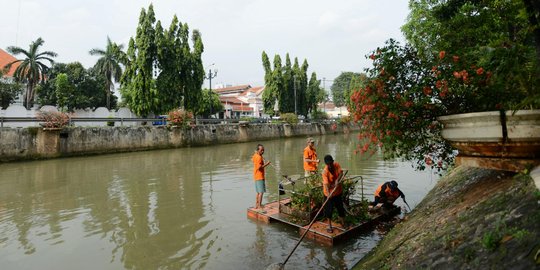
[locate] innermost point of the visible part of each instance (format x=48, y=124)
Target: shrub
x=345, y=120
x=290, y=118
x=180, y=118
x=319, y=115
x=52, y=119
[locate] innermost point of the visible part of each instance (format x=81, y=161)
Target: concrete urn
x=495, y=134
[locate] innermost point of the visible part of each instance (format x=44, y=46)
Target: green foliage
x=341, y=87
x=247, y=118
x=491, y=240
x=64, y=90
x=520, y=234
x=86, y=84
x=31, y=69
x=310, y=197
x=319, y=115
x=8, y=91
x=496, y=35
x=463, y=56
x=290, y=118
x=209, y=103
x=162, y=71
x=109, y=65
x=286, y=86
x=315, y=94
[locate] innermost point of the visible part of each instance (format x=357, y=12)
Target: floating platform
x=318, y=231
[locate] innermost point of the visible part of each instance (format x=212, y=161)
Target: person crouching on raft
x=331, y=173
x=387, y=194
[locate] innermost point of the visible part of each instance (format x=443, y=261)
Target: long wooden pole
x=315, y=218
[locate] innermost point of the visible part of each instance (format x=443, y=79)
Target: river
x=174, y=209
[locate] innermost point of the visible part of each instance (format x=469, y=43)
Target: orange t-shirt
x=392, y=195
x=310, y=154
x=329, y=179
x=258, y=169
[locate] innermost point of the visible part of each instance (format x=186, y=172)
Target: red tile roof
x=231, y=100
x=239, y=108
x=256, y=90
x=6, y=58
x=233, y=88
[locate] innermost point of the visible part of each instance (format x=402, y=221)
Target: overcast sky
x=334, y=36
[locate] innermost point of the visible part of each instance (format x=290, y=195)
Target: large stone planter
x=494, y=134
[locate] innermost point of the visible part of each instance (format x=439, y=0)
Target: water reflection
x=171, y=209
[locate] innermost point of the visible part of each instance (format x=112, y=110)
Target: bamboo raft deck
x=318, y=231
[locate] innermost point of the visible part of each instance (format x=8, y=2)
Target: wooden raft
x=318, y=231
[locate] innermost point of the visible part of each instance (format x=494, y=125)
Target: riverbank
x=472, y=219
x=18, y=144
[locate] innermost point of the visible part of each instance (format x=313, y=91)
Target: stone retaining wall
x=37, y=143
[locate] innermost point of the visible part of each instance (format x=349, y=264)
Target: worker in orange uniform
x=258, y=176
x=310, y=158
x=387, y=194
x=331, y=173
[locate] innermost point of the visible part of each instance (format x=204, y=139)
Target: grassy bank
x=472, y=219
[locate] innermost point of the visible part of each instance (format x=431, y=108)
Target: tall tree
x=31, y=68
x=162, y=71
x=138, y=86
x=109, y=65
x=341, y=87
x=64, y=90
x=269, y=97
x=315, y=93
x=285, y=85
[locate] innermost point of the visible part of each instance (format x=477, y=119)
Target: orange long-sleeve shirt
x=329, y=179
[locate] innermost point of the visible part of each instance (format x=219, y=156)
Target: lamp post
x=210, y=76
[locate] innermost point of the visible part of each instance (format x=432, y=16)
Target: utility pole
x=324, y=88
x=295, y=110
x=210, y=76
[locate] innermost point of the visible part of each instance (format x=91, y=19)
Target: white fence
x=101, y=112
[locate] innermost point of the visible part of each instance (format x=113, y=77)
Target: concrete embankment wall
x=36, y=143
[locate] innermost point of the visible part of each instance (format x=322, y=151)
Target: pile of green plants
x=309, y=197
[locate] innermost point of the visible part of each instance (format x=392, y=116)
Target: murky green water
x=172, y=209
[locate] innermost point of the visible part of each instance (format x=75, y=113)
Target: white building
x=241, y=101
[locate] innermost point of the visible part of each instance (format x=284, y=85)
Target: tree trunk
x=29, y=96
x=108, y=96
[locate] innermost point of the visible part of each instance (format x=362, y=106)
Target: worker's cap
x=310, y=140
x=328, y=159
x=393, y=184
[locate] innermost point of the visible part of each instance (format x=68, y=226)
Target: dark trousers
x=336, y=202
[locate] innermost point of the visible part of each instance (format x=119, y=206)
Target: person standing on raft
x=331, y=173
x=310, y=158
x=258, y=176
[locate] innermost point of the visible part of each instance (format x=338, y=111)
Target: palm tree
x=31, y=69
x=109, y=65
